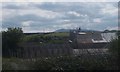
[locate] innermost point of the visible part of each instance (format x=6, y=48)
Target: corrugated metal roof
x=90, y=40
x=90, y=37
x=91, y=45
x=109, y=36
x=98, y=41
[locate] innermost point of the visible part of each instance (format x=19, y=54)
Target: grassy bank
x=60, y=63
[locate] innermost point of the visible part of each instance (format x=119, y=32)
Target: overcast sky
x=50, y=16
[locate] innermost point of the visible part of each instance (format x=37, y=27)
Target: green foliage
x=114, y=49
x=118, y=33
x=36, y=38
x=59, y=34
x=61, y=63
x=10, y=38
x=12, y=35
x=48, y=38
x=31, y=38
x=56, y=41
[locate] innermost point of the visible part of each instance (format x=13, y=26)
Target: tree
x=114, y=45
x=106, y=30
x=114, y=49
x=10, y=38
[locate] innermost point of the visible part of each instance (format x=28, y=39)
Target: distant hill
x=67, y=30
x=62, y=30
x=111, y=31
x=36, y=33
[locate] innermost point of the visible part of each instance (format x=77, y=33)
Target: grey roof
x=109, y=36
x=92, y=45
x=88, y=37
x=89, y=40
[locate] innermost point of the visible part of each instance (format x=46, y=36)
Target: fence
x=35, y=50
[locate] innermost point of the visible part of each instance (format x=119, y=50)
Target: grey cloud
x=91, y=10
x=10, y=6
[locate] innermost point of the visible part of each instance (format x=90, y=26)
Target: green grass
x=56, y=63
x=59, y=34
x=55, y=41
x=58, y=37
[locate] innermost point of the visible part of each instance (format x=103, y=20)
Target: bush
x=10, y=39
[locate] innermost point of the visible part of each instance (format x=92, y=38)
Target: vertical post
x=0, y=49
